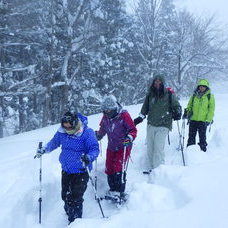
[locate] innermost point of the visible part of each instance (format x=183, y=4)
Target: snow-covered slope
x=194, y=196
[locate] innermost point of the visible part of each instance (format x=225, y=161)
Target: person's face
x=70, y=130
x=202, y=88
x=110, y=113
x=68, y=126
x=157, y=83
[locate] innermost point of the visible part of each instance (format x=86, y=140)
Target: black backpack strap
x=193, y=97
x=170, y=100
x=208, y=97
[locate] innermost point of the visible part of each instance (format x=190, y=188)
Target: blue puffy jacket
x=73, y=146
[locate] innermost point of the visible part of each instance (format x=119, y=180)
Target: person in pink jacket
x=121, y=131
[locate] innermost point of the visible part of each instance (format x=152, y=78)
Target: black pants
x=201, y=128
x=116, y=182
x=73, y=188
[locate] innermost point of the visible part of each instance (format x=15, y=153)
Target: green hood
x=159, y=77
x=151, y=80
x=203, y=82
x=156, y=76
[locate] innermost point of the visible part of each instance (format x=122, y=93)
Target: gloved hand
x=98, y=136
x=40, y=152
x=138, y=120
x=127, y=141
x=85, y=159
x=207, y=124
x=185, y=115
x=177, y=113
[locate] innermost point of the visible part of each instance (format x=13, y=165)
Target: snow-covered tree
x=197, y=50
x=65, y=54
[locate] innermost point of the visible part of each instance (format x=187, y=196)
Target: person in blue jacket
x=79, y=149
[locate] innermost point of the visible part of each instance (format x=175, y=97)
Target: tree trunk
x=21, y=114
x=64, y=106
x=47, y=107
x=1, y=118
x=179, y=68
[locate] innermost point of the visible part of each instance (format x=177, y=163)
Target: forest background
x=57, y=55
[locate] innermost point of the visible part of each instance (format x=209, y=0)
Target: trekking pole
x=100, y=145
x=128, y=162
x=40, y=179
x=183, y=137
x=179, y=133
x=95, y=184
x=168, y=140
x=123, y=165
x=210, y=125
x=95, y=191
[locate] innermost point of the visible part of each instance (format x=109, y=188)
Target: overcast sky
x=202, y=7
x=207, y=7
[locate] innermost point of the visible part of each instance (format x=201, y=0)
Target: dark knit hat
x=71, y=118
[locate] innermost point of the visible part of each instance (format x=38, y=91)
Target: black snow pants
x=201, y=128
x=73, y=188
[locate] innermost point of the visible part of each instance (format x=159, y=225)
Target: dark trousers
x=201, y=128
x=116, y=182
x=73, y=188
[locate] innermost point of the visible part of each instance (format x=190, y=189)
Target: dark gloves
x=85, y=159
x=138, y=120
x=207, y=124
x=98, y=136
x=177, y=113
x=185, y=115
x=127, y=141
x=40, y=152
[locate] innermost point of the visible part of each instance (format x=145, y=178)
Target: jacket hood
x=203, y=82
x=84, y=119
x=159, y=77
x=151, y=88
x=156, y=76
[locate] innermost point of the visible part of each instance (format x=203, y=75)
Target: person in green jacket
x=158, y=105
x=200, y=112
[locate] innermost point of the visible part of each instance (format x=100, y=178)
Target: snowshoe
x=116, y=197
x=147, y=171
x=113, y=199
x=124, y=196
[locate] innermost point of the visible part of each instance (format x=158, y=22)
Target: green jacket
x=158, y=108
x=201, y=108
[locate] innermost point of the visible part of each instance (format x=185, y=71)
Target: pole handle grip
x=39, y=147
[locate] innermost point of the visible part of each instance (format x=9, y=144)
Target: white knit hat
x=109, y=103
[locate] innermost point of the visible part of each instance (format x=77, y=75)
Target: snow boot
x=124, y=196
x=203, y=147
x=66, y=208
x=74, y=211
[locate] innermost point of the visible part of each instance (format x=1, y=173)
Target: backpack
x=176, y=113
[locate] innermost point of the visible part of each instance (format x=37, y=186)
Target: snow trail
x=173, y=195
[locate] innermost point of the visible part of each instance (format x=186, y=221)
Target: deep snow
x=194, y=196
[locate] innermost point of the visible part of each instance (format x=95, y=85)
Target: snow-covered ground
x=194, y=196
